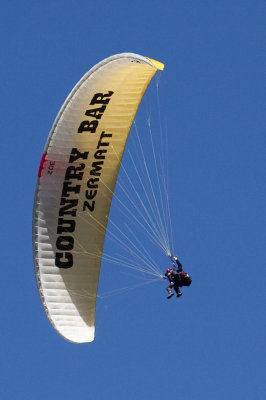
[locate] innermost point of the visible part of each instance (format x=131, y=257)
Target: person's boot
x=170, y=295
x=179, y=294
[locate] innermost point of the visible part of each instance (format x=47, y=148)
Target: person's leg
x=169, y=291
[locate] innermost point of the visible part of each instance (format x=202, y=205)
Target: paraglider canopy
x=76, y=180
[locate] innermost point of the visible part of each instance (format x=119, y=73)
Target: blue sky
x=209, y=344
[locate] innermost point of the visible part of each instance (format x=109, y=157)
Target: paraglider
x=177, y=278
x=75, y=184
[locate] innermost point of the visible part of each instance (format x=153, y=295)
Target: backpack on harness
x=185, y=279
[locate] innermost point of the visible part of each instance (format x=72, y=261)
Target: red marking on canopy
x=41, y=165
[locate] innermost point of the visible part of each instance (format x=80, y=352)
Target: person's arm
x=178, y=263
x=180, y=267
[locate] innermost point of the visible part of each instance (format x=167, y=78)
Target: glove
x=172, y=283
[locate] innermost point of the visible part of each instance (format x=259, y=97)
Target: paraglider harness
x=185, y=279
x=179, y=277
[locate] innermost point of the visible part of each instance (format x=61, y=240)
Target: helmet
x=168, y=270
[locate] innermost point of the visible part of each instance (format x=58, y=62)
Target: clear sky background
x=210, y=343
